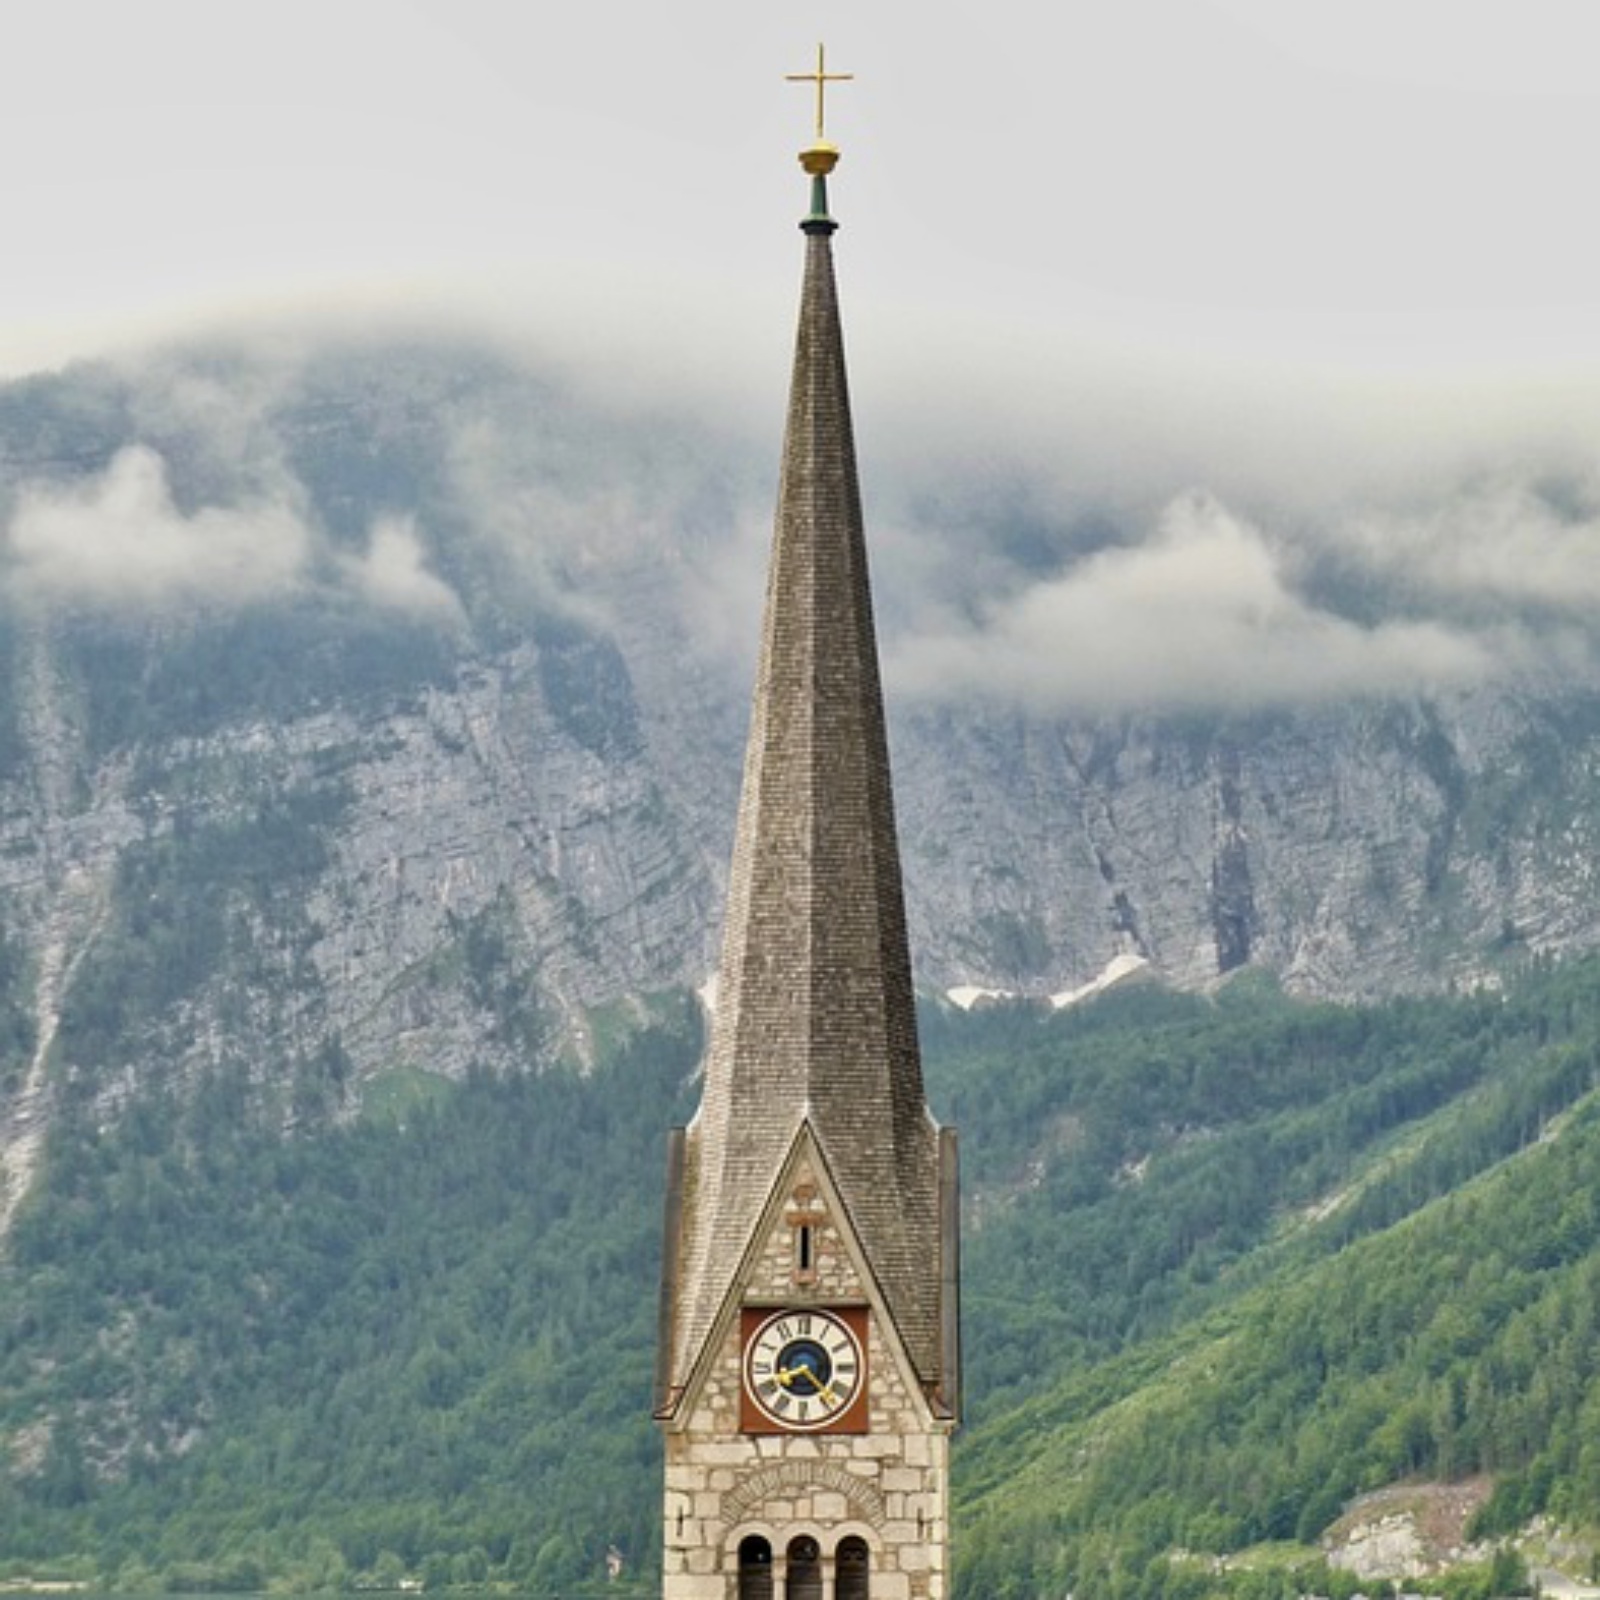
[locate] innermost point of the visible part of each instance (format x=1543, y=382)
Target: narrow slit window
x=803, y=1247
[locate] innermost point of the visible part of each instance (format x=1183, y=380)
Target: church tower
x=808, y=1367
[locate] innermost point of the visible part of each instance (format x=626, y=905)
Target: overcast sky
x=1319, y=279
x=1379, y=184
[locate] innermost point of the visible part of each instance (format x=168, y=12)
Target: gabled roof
x=805, y=1158
x=815, y=1016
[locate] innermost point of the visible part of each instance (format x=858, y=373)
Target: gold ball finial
x=820, y=159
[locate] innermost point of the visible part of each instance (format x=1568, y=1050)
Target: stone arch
x=755, y=1568
x=864, y=1531
x=852, y=1568
x=803, y=1568
x=744, y=1505
x=767, y=1579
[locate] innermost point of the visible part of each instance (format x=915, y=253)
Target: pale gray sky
x=1376, y=186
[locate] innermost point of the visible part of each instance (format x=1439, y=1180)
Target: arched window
x=852, y=1568
x=805, y=1570
x=755, y=1569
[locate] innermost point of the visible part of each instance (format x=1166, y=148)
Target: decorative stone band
x=755, y=1489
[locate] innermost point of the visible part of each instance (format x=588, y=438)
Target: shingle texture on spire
x=815, y=1018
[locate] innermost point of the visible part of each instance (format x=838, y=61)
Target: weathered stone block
x=913, y=1557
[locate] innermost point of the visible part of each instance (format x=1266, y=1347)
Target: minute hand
x=825, y=1389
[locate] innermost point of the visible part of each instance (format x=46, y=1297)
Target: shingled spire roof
x=815, y=1018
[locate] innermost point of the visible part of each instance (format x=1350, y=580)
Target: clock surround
x=804, y=1369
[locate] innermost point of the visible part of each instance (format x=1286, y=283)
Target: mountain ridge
x=459, y=649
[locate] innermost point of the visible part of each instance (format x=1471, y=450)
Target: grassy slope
x=1227, y=1263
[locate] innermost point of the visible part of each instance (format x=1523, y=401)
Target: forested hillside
x=419, y=1342
x=1229, y=1263
x=1372, y=1261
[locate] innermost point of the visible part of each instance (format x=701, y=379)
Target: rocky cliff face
x=372, y=715
x=1358, y=852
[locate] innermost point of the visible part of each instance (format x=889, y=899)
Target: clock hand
x=825, y=1391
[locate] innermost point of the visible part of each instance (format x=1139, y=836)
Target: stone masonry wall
x=888, y=1486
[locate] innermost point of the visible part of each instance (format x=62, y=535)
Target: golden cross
x=820, y=77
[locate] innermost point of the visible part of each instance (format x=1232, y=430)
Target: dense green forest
x=1228, y=1263
x=418, y=1342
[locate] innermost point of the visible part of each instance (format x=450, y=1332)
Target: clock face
x=803, y=1369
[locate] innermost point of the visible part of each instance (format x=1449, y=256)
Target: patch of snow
x=967, y=995
x=1119, y=969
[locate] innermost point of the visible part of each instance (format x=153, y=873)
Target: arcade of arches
x=802, y=1571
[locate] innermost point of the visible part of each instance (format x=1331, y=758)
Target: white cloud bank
x=120, y=541
x=1501, y=544
x=1203, y=613
x=393, y=573
x=1011, y=588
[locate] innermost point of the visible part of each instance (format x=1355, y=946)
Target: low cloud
x=612, y=515
x=393, y=574
x=1203, y=613
x=1054, y=566
x=120, y=541
x=1504, y=543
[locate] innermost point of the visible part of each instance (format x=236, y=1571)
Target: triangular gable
x=760, y=1276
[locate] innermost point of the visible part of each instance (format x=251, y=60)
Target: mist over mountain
x=340, y=669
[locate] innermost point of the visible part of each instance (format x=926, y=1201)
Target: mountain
x=368, y=750
x=337, y=673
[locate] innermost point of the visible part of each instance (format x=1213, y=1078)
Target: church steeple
x=813, y=1082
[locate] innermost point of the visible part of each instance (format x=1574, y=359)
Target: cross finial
x=821, y=77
